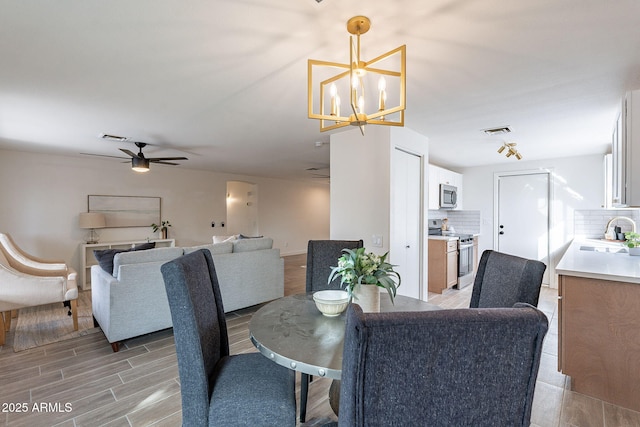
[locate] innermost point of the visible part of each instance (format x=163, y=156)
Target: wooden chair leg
x=2, y=333
x=14, y=313
x=7, y=321
x=74, y=313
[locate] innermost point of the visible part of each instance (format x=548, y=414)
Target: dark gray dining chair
x=461, y=367
x=219, y=389
x=503, y=280
x=321, y=256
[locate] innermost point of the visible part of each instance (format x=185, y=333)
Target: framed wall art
x=126, y=211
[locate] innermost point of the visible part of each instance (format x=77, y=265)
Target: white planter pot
x=634, y=251
x=367, y=297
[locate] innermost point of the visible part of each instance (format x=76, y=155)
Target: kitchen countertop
x=446, y=237
x=603, y=262
x=436, y=237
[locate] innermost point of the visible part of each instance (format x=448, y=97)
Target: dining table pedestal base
x=334, y=396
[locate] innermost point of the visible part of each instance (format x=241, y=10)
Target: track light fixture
x=511, y=150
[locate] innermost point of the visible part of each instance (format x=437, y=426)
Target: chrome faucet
x=633, y=224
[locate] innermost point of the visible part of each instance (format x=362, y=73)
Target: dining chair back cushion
x=503, y=280
x=474, y=367
x=321, y=256
x=218, y=388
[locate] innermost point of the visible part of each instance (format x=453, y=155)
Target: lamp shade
x=92, y=220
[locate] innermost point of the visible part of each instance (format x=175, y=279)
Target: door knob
x=407, y=246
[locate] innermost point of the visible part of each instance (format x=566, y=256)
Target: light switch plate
x=376, y=240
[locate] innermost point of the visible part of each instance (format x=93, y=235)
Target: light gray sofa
x=133, y=301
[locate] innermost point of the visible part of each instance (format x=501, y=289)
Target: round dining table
x=293, y=333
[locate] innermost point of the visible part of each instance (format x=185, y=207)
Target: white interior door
x=405, y=250
x=522, y=226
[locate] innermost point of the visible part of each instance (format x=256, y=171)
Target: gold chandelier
x=352, y=80
x=511, y=150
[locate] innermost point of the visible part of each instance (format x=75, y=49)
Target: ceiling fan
x=140, y=163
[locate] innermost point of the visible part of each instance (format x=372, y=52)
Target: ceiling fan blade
x=104, y=155
x=132, y=154
x=160, y=162
x=154, y=159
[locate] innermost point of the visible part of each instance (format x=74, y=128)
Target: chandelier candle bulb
x=382, y=86
x=334, y=107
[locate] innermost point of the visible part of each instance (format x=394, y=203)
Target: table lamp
x=91, y=221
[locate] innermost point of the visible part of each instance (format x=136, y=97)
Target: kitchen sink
x=604, y=249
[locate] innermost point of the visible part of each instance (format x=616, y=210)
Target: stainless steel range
x=465, y=251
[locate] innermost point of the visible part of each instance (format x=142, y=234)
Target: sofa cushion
x=140, y=257
x=215, y=249
x=246, y=245
x=105, y=256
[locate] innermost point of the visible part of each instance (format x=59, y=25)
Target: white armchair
x=27, y=281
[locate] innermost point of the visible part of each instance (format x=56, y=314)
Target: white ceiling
x=223, y=82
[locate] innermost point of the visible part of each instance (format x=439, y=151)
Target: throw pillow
x=242, y=236
x=222, y=239
x=144, y=246
x=105, y=256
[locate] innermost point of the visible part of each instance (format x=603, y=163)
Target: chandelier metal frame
x=329, y=107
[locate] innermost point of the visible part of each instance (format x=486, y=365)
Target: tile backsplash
x=463, y=221
x=592, y=223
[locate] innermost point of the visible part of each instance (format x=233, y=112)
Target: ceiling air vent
x=113, y=137
x=497, y=131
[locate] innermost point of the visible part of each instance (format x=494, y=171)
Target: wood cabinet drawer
x=452, y=245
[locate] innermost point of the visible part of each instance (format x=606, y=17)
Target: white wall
x=362, y=194
x=42, y=195
x=577, y=183
x=242, y=208
x=360, y=182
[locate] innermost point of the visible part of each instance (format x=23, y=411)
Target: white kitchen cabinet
x=437, y=176
x=625, y=152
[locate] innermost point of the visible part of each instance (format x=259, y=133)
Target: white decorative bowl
x=331, y=303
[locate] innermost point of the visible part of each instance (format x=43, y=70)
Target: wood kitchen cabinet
x=443, y=264
x=599, y=338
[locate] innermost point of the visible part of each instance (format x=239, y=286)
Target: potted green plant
x=163, y=227
x=362, y=274
x=632, y=241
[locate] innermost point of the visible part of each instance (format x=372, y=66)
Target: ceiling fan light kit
x=386, y=72
x=140, y=164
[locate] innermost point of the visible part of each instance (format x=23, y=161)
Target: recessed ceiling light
x=497, y=131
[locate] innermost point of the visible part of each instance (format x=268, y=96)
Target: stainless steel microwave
x=448, y=196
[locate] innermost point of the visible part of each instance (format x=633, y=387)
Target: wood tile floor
x=81, y=382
